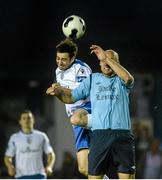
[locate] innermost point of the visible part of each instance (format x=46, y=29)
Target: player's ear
x=33, y=118
x=73, y=58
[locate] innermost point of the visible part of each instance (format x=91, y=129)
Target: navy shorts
x=117, y=145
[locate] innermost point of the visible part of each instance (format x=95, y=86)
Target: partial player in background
x=24, y=154
x=70, y=73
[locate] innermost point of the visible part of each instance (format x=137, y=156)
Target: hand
x=11, y=171
x=51, y=90
x=100, y=53
x=48, y=170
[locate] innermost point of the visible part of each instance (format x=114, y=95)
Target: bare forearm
x=8, y=161
x=9, y=165
x=51, y=159
x=120, y=71
x=64, y=95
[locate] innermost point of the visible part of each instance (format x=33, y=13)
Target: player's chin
x=62, y=68
x=108, y=73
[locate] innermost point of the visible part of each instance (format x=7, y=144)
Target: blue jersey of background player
x=70, y=73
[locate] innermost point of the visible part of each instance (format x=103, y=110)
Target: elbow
x=129, y=80
x=6, y=159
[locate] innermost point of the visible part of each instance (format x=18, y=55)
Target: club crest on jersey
x=29, y=140
x=82, y=71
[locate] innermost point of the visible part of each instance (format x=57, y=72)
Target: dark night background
x=30, y=30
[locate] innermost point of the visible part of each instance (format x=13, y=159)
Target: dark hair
x=26, y=111
x=67, y=46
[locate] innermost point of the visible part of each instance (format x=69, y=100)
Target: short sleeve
x=11, y=148
x=83, y=90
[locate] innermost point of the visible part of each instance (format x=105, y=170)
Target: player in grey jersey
x=27, y=147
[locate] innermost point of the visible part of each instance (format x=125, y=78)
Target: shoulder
x=39, y=133
x=95, y=75
x=16, y=135
x=80, y=64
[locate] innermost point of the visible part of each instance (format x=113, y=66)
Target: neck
x=112, y=75
x=27, y=130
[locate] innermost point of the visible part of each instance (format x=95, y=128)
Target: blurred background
x=29, y=32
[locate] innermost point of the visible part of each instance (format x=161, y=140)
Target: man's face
x=26, y=121
x=63, y=60
x=105, y=68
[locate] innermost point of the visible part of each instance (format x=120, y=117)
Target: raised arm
x=120, y=71
x=113, y=62
x=63, y=94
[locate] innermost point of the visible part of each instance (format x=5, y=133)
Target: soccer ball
x=73, y=27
